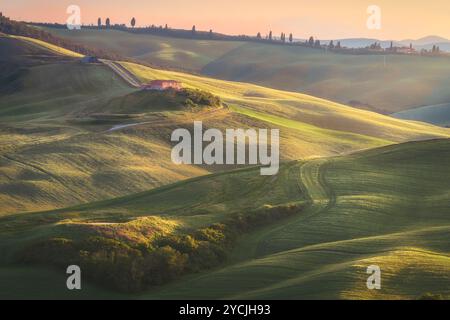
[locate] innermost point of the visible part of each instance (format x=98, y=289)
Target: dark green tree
x=108, y=22
x=133, y=22
x=99, y=22
x=291, y=38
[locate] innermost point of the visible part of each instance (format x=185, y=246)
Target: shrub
x=129, y=268
x=162, y=265
x=195, y=98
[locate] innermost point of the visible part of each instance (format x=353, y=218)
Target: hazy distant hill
x=422, y=43
x=362, y=42
x=425, y=41
x=437, y=114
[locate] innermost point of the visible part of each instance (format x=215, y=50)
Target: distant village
x=376, y=48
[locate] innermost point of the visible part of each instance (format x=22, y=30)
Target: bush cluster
x=195, y=98
x=132, y=268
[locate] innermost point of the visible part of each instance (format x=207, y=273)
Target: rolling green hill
x=367, y=209
x=403, y=83
x=363, y=209
x=55, y=149
x=316, y=118
x=363, y=80
x=187, y=54
x=48, y=46
x=58, y=149
x=43, y=90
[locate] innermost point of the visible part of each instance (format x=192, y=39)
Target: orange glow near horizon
x=325, y=19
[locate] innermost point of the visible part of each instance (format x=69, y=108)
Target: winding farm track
x=312, y=176
x=130, y=78
x=311, y=179
x=308, y=178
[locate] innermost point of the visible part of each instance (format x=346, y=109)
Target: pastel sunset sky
x=326, y=19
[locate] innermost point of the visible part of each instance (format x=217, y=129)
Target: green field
x=364, y=80
x=366, y=188
x=367, y=209
x=50, y=47
x=186, y=54
x=54, y=135
x=364, y=209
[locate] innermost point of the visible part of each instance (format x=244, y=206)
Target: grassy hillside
x=320, y=121
x=50, y=81
x=58, y=149
x=363, y=80
x=49, y=46
x=54, y=146
x=364, y=209
x=367, y=209
x=14, y=50
x=437, y=114
x=186, y=54
x=403, y=83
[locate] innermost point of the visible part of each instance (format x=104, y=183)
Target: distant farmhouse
x=162, y=85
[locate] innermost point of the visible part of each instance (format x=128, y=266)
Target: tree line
x=282, y=39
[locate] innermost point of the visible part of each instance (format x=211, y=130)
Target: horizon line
x=242, y=34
